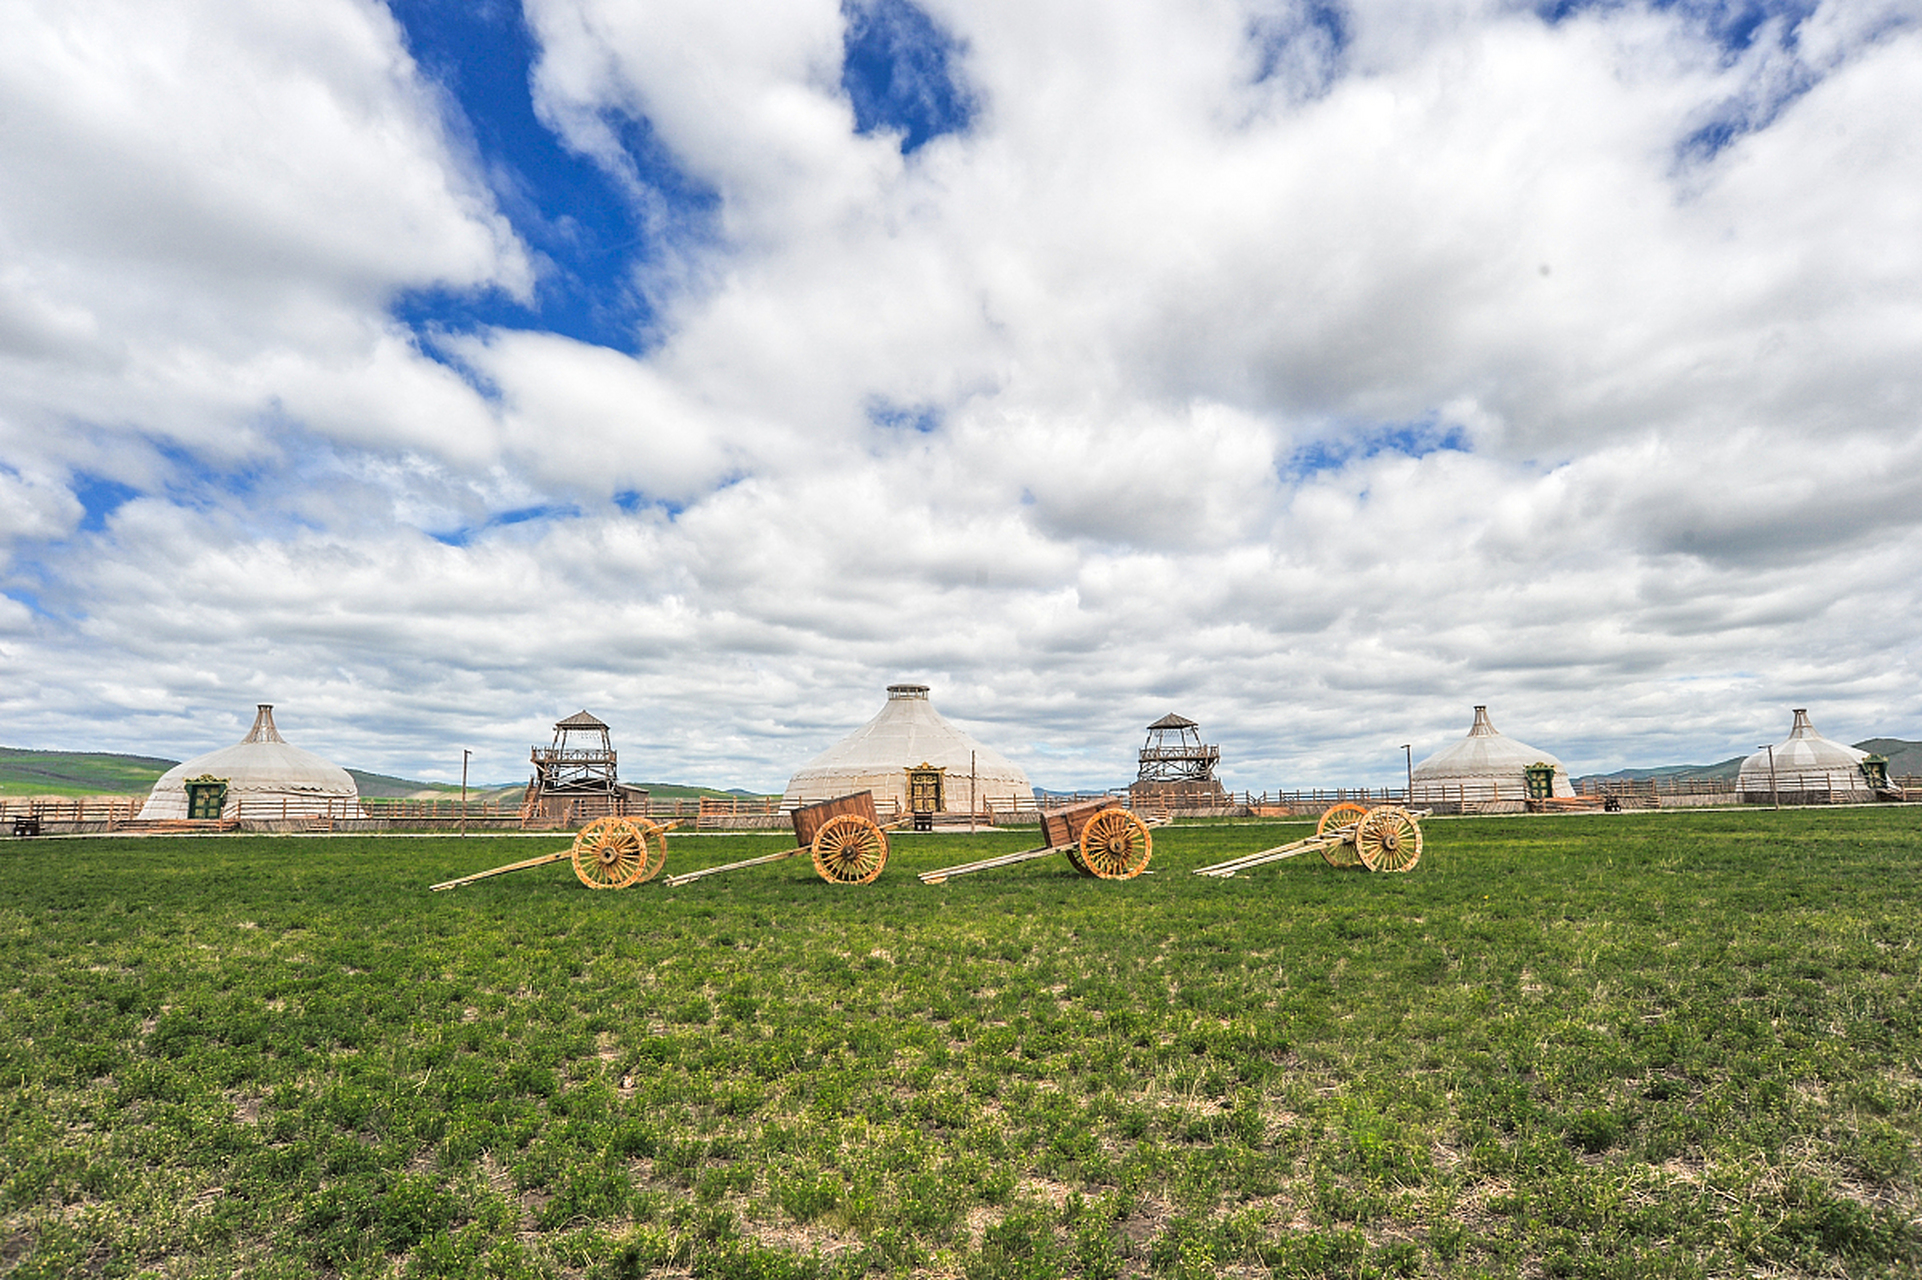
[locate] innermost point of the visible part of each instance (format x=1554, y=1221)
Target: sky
x=1315, y=370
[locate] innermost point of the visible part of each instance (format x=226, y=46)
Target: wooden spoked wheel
x=1115, y=845
x=849, y=850
x=1389, y=839
x=1074, y=859
x=654, y=840
x=1345, y=814
x=613, y=853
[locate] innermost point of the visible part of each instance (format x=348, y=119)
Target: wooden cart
x=1099, y=838
x=609, y=853
x=846, y=839
x=1387, y=838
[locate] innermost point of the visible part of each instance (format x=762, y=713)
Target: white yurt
x=1808, y=768
x=267, y=777
x=1485, y=766
x=908, y=733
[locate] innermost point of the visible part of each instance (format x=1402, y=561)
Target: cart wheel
x=613, y=853
x=1347, y=813
x=1075, y=859
x=654, y=840
x=849, y=850
x=1389, y=839
x=1116, y=845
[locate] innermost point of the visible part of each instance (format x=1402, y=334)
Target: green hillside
x=385, y=786
x=1723, y=769
x=77, y=773
x=683, y=791
x=1905, y=761
x=1905, y=758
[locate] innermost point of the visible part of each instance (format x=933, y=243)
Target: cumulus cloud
x=1316, y=372
x=207, y=205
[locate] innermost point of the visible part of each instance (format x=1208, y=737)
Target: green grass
x=1639, y=1045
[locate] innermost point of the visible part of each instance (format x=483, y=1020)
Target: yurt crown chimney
x=263, y=730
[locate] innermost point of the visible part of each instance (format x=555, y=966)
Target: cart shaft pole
x=686, y=876
x=988, y=864
x=1276, y=854
x=541, y=861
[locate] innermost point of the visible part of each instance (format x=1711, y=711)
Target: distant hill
x=77, y=773
x=684, y=791
x=383, y=786
x=1905, y=758
x=1905, y=761
x=1728, y=768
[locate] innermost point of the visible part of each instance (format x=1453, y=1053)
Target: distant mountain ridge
x=1722, y=769
x=1905, y=758
x=1905, y=761
x=77, y=773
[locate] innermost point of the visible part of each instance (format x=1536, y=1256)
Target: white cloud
x=1107, y=407
x=205, y=206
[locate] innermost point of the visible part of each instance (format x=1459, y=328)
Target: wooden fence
x=111, y=810
x=114, y=813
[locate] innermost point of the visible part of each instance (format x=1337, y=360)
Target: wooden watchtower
x=577, y=778
x=1176, y=766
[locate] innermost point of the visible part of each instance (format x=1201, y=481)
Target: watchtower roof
x=580, y=720
x=1173, y=721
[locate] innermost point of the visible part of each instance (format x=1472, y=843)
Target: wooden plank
x=540, y=861
x=810, y=818
x=1063, y=826
x=689, y=877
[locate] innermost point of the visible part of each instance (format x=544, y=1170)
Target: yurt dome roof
x=262, y=763
x=1484, y=753
x=1804, y=751
x=907, y=732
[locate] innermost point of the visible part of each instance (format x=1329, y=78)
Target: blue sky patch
x=100, y=497
x=584, y=230
x=633, y=501
x=898, y=70
x=20, y=595
x=1734, y=26
x=1410, y=439
x=920, y=418
x=519, y=515
x=199, y=482
x=1308, y=42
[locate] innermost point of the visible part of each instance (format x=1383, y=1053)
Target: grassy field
x=1623, y=1046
